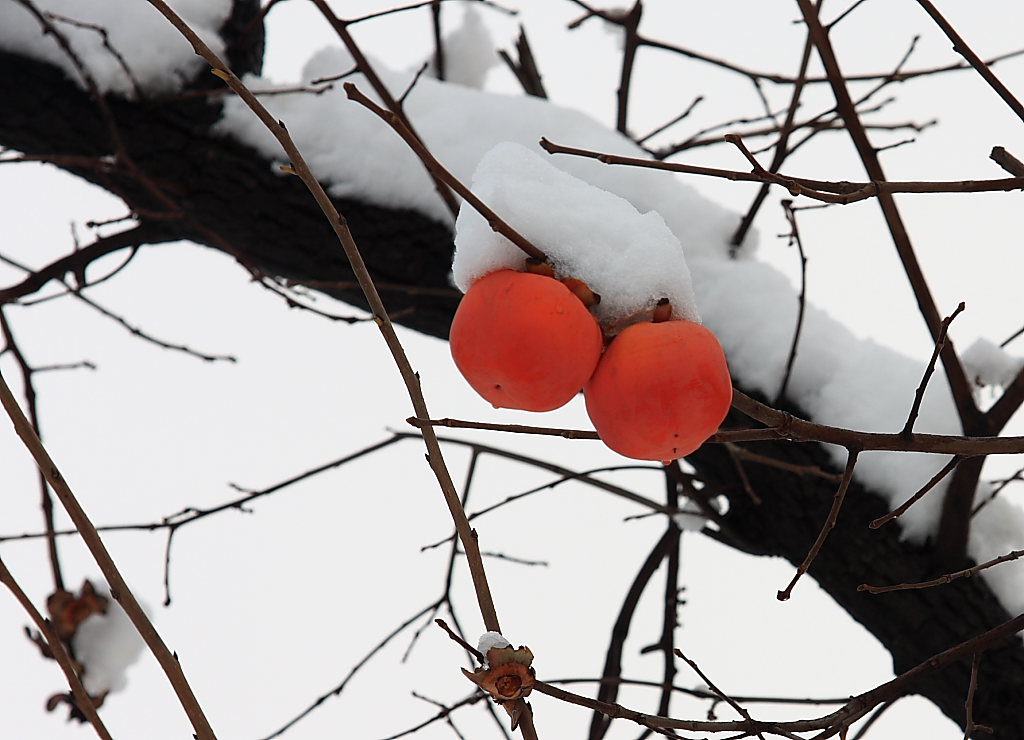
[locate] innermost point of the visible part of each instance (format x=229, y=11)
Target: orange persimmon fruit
x=524, y=341
x=660, y=390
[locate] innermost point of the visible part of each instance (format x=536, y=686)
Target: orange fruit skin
x=524, y=341
x=660, y=390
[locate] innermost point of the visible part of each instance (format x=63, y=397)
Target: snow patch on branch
x=106, y=644
x=630, y=259
x=157, y=57
x=988, y=364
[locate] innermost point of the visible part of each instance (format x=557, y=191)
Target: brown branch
x=940, y=342
x=630, y=23
x=828, y=526
x=609, y=690
x=794, y=238
x=787, y=426
x=970, y=416
x=717, y=691
x=919, y=494
x=943, y=579
x=512, y=428
x=525, y=69
x=779, y=157
x=960, y=46
x=45, y=500
x=998, y=489
x=348, y=677
x=438, y=170
x=841, y=192
x=410, y=378
x=1007, y=161
x=955, y=522
x=119, y=590
x=83, y=701
x=341, y=28
x=795, y=468
x=833, y=723
x=76, y=262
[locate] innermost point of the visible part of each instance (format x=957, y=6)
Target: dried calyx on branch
x=507, y=675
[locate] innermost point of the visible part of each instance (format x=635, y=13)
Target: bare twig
x=959, y=386
x=341, y=28
x=82, y=699
x=788, y=426
x=960, y=46
x=794, y=239
x=525, y=69
x=940, y=342
x=840, y=192
x=835, y=722
x=919, y=494
x=830, y=523
x=45, y=500
x=943, y=579
x=443, y=175
x=718, y=692
x=1007, y=161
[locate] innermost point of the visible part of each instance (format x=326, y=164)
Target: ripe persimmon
x=524, y=340
x=660, y=390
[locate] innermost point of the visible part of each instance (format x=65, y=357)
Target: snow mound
x=160, y=60
x=630, y=259
x=106, y=645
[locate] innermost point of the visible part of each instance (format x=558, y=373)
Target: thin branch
x=781, y=151
x=830, y=523
x=77, y=261
x=960, y=46
x=794, y=239
x=940, y=343
x=525, y=69
x=45, y=500
x=438, y=171
x=787, y=426
x=840, y=192
x=717, y=691
x=341, y=28
x=833, y=723
x=630, y=23
x=348, y=677
x=959, y=386
x=83, y=701
x=608, y=690
x=943, y=579
x=1007, y=161
x=919, y=494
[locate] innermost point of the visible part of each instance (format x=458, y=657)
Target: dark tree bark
x=230, y=199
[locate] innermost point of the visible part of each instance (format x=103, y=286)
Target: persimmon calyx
x=582, y=291
x=508, y=674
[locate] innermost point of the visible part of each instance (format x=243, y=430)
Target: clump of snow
x=690, y=518
x=988, y=364
x=837, y=379
x=159, y=58
x=106, y=644
x=630, y=259
x=490, y=640
x=469, y=52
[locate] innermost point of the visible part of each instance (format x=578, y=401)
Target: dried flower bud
x=508, y=674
